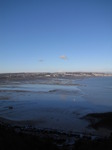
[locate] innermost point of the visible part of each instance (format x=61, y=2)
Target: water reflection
x=63, y=97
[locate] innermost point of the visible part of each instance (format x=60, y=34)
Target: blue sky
x=55, y=35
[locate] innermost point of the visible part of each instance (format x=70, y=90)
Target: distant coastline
x=53, y=75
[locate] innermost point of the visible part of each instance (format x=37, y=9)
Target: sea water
x=56, y=106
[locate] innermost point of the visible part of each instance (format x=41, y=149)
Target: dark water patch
x=4, y=97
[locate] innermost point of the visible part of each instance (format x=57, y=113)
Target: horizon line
x=58, y=72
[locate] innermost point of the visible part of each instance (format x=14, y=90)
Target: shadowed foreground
x=100, y=120
x=9, y=139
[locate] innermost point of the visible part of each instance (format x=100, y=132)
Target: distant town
x=5, y=76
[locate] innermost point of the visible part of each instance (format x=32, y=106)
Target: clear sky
x=55, y=35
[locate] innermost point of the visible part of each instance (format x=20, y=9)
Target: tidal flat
x=56, y=104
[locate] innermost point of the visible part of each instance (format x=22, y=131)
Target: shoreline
x=24, y=77
x=96, y=121
x=58, y=139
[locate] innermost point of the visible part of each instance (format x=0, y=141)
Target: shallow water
x=56, y=106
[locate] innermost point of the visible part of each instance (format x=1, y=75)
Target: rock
x=10, y=107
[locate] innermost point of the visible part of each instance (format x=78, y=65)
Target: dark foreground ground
x=11, y=140
x=17, y=140
x=100, y=120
